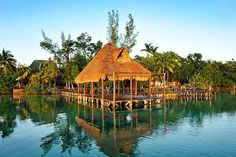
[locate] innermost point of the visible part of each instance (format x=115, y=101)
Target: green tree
x=85, y=47
x=7, y=62
x=49, y=72
x=7, y=71
x=113, y=27
x=192, y=65
x=48, y=45
x=149, y=48
x=23, y=72
x=61, y=55
x=128, y=40
x=7, y=82
x=166, y=63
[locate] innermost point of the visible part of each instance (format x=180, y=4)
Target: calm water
x=52, y=126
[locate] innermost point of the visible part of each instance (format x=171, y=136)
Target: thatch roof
x=37, y=63
x=109, y=60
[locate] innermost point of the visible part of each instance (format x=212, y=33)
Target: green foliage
x=7, y=71
x=192, y=65
x=199, y=82
x=149, y=48
x=48, y=72
x=38, y=88
x=159, y=63
x=128, y=39
x=85, y=47
x=7, y=82
x=113, y=27
x=48, y=45
x=71, y=57
x=191, y=70
x=7, y=62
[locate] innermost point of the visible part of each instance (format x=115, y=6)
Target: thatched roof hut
x=110, y=60
x=35, y=65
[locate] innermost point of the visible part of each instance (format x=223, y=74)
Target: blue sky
x=204, y=26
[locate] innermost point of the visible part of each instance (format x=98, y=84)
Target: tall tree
x=192, y=65
x=149, y=48
x=7, y=62
x=128, y=40
x=23, y=72
x=48, y=45
x=61, y=55
x=49, y=72
x=113, y=27
x=85, y=47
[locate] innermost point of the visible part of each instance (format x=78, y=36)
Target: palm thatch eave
x=112, y=60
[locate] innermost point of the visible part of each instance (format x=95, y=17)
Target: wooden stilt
x=84, y=89
x=103, y=128
x=131, y=93
x=149, y=86
x=136, y=88
x=84, y=112
x=78, y=110
x=78, y=88
x=123, y=87
x=114, y=91
x=92, y=92
x=118, y=88
x=102, y=103
x=92, y=115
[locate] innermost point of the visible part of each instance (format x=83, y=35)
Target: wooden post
x=118, y=88
x=114, y=90
x=92, y=92
x=102, y=93
x=78, y=88
x=136, y=88
x=103, y=120
x=84, y=88
x=123, y=87
x=131, y=92
x=164, y=84
x=92, y=115
x=78, y=110
x=84, y=112
x=149, y=86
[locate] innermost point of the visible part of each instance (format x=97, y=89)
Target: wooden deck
x=125, y=101
x=122, y=100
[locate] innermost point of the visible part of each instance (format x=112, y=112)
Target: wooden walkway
x=123, y=100
x=127, y=102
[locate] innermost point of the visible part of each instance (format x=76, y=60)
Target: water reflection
x=114, y=133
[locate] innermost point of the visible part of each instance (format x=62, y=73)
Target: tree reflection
x=68, y=134
x=7, y=116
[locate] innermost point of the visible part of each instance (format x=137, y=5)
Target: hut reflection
x=116, y=132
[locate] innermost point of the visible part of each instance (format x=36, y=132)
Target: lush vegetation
x=71, y=56
x=192, y=70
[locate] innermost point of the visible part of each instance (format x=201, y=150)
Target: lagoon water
x=53, y=126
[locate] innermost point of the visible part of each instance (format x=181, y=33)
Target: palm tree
x=150, y=49
x=23, y=72
x=166, y=62
x=49, y=72
x=7, y=61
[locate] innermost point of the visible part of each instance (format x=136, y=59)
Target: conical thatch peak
x=109, y=60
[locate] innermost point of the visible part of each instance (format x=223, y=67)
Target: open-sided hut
x=113, y=64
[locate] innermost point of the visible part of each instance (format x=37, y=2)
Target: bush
x=40, y=89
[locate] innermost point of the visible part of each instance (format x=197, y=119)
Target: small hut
x=113, y=64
